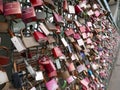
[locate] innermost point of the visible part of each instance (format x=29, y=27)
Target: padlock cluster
x=72, y=44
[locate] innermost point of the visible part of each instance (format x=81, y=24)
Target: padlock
x=47, y=64
x=77, y=23
x=13, y=9
x=82, y=29
x=36, y=3
x=70, y=66
x=57, y=52
x=39, y=76
x=71, y=9
x=76, y=36
x=78, y=9
x=39, y=36
x=17, y=42
x=64, y=42
x=58, y=64
x=28, y=15
x=44, y=29
x=51, y=85
x=51, y=26
x=81, y=67
x=40, y=15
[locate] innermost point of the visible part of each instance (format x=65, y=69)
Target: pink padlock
x=82, y=29
x=70, y=66
x=52, y=84
x=70, y=79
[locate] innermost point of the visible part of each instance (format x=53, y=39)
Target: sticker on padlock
x=90, y=12
x=71, y=9
x=52, y=74
x=83, y=5
x=73, y=57
x=95, y=6
x=39, y=76
x=89, y=41
x=80, y=42
x=89, y=24
x=58, y=65
x=81, y=68
x=64, y=42
x=84, y=35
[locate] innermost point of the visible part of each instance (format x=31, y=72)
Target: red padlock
x=58, y=18
x=36, y=3
x=78, y=9
x=39, y=37
x=12, y=8
x=47, y=64
x=4, y=59
x=28, y=15
x=57, y=52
